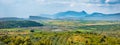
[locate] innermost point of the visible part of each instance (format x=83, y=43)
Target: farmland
x=63, y=32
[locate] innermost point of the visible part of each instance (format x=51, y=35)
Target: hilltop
x=18, y=24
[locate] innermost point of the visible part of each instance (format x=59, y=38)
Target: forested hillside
x=14, y=24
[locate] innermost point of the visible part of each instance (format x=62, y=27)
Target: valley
x=59, y=22
x=64, y=32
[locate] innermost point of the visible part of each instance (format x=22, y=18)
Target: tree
x=32, y=30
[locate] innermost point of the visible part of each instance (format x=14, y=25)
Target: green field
x=64, y=32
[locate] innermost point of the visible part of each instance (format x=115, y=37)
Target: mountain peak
x=83, y=13
x=71, y=14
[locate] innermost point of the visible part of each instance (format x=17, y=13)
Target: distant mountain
x=46, y=15
x=101, y=16
x=70, y=14
x=10, y=18
x=73, y=15
x=96, y=14
x=38, y=18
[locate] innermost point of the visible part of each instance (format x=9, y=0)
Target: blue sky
x=24, y=8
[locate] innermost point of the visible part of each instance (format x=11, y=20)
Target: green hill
x=15, y=24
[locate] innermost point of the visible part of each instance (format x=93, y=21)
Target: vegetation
x=14, y=24
x=58, y=32
x=101, y=27
x=57, y=38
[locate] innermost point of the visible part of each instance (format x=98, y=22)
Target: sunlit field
x=59, y=22
x=63, y=32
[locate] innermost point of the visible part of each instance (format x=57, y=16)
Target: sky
x=25, y=8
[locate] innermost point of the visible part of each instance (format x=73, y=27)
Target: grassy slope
x=82, y=34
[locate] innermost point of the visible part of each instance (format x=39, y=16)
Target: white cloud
x=34, y=7
x=107, y=1
x=72, y=4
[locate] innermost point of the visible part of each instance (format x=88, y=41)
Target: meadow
x=64, y=32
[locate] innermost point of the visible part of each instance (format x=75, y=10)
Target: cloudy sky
x=24, y=8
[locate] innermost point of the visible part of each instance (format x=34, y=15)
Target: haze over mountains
x=71, y=15
x=11, y=18
x=81, y=16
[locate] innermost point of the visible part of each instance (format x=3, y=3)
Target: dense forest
x=15, y=24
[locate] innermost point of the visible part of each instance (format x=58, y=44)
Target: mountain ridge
x=82, y=15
